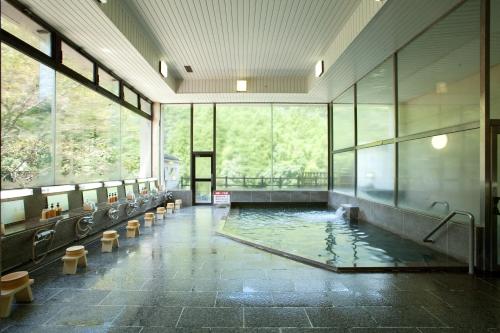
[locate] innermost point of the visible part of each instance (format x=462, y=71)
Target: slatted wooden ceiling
x=244, y=38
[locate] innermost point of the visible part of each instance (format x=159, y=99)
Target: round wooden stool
x=170, y=207
x=75, y=256
x=109, y=240
x=133, y=228
x=149, y=219
x=14, y=285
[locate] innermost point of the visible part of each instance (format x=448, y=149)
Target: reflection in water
x=324, y=235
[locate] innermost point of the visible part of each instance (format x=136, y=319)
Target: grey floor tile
x=403, y=316
x=276, y=317
x=86, y=315
x=303, y=299
x=467, y=317
x=211, y=317
x=80, y=296
x=340, y=317
x=191, y=298
x=148, y=316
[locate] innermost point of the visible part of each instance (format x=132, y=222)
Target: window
x=244, y=146
x=77, y=61
x=26, y=140
x=145, y=106
x=24, y=28
x=343, y=120
x=108, y=82
x=87, y=134
x=129, y=96
x=344, y=172
x=436, y=179
x=135, y=145
x=300, y=141
x=495, y=63
x=439, y=89
x=176, y=123
x=375, y=104
x=376, y=173
x=203, y=127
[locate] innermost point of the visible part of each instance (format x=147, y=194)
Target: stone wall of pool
x=452, y=239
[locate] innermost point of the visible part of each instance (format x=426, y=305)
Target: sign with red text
x=222, y=198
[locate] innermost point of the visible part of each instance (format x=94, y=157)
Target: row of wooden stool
x=17, y=285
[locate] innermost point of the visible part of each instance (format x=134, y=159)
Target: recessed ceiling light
x=241, y=85
x=320, y=67
x=102, y=1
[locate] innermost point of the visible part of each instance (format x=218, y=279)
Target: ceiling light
x=320, y=67
x=102, y=1
x=57, y=189
x=163, y=68
x=439, y=141
x=241, y=85
x=23, y=192
x=89, y=186
x=441, y=88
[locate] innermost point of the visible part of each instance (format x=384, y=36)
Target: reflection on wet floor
x=319, y=234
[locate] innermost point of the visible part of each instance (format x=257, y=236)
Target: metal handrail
x=471, y=234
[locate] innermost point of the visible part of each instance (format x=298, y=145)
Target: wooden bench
x=15, y=285
x=133, y=229
x=109, y=240
x=76, y=256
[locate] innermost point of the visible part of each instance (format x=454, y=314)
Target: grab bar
x=444, y=203
x=471, y=234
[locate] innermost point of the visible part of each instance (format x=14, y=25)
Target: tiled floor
x=180, y=277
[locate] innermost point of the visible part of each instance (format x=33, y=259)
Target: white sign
x=222, y=198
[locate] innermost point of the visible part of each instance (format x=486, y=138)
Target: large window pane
x=77, y=62
x=176, y=123
x=300, y=146
x=343, y=120
x=438, y=74
x=376, y=173
x=244, y=146
x=375, y=104
x=203, y=115
x=24, y=28
x=108, y=82
x=343, y=172
x=87, y=134
x=26, y=140
x=495, y=61
x=135, y=145
x=441, y=173
x=145, y=106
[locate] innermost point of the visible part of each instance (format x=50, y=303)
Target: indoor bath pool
x=323, y=236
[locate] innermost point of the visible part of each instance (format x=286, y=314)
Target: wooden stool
x=178, y=204
x=133, y=229
x=170, y=208
x=18, y=285
x=149, y=219
x=109, y=240
x=75, y=256
x=160, y=213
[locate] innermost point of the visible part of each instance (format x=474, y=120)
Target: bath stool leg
x=24, y=295
x=6, y=305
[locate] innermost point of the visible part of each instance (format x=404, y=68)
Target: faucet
x=84, y=225
x=114, y=212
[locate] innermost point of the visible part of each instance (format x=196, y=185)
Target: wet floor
x=181, y=277
x=322, y=235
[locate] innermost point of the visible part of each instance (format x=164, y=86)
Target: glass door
x=202, y=177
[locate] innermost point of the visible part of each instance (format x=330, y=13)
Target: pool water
x=320, y=235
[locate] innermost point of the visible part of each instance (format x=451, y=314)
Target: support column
x=156, y=142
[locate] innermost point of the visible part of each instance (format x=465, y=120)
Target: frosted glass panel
x=61, y=199
x=12, y=211
x=90, y=196
x=440, y=174
x=376, y=173
x=343, y=172
x=441, y=88
x=375, y=104
x=343, y=120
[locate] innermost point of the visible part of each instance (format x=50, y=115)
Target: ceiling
x=224, y=39
x=272, y=43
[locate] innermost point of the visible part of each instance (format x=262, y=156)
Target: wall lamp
x=57, y=189
x=113, y=183
x=18, y=193
x=89, y=186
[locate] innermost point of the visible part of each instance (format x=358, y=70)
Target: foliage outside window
x=203, y=127
x=26, y=140
x=129, y=96
x=77, y=62
x=176, y=124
